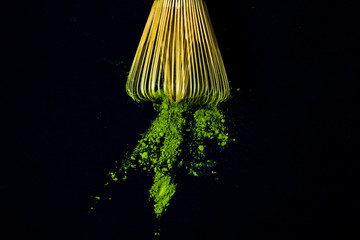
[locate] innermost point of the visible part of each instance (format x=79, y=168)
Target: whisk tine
x=178, y=56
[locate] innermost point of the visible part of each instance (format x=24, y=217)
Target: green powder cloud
x=177, y=140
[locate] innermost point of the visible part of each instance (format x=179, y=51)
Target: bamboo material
x=178, y=56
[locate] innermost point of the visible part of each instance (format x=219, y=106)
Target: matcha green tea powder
x=159, y=151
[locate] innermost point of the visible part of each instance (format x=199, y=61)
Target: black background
x=66, y=118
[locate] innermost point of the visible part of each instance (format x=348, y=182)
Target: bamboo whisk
x=178, y=56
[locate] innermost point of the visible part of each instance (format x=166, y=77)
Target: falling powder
x=159, y=151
